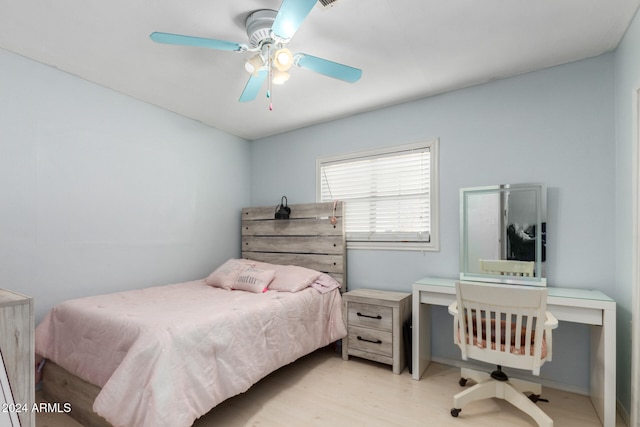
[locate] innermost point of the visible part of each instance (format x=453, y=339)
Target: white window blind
x=387, y=193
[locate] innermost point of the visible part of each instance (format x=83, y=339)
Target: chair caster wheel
x=535, y=398
x=455, y=412
x=462, y=382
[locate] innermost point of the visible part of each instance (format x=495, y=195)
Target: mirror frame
x=540, y=191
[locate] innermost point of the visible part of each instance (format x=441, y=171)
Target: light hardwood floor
x=323, y=390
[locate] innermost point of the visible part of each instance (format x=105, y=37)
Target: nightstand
x=374, y=322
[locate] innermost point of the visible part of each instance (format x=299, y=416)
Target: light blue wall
x=627, y=83
x=100, y=192
x=554, y=126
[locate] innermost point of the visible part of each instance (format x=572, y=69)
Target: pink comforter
x=166, y=355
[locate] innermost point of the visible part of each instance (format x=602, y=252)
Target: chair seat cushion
x=482, y=343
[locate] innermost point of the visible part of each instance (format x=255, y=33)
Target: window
x=391, y=195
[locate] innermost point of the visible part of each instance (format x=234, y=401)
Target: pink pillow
x=254, y=280
x=289, y=278
x=225, y=276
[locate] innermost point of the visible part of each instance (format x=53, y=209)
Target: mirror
x=503, y=234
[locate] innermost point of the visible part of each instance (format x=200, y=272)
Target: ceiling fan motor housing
x=258, y=26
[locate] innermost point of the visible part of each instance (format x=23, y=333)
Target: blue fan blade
x=195, y=41
x=328, y=68
x=291, y=15
x=253, y=86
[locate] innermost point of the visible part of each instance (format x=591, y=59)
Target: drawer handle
x=371, y=341
x=370, y=317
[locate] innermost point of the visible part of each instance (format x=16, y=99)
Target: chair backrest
x=502, y=324
x=507, y=267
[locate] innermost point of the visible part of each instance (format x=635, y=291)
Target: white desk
x=570, y=305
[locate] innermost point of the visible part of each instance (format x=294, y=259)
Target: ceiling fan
x=269, y=33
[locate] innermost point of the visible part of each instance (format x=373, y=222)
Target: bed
x=165, y=355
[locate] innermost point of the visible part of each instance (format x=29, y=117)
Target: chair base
x=511, y=390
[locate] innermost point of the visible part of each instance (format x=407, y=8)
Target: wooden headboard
x=307, y=239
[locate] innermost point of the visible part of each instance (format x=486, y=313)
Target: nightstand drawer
x=371, y=341
x=370, y=316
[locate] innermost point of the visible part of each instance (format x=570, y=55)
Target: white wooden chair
x=507, y=267
x=505, y=325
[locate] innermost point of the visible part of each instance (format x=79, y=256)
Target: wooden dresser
x=17, y=346
x=374, y=322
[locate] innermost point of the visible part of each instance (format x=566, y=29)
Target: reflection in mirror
x=503, y=234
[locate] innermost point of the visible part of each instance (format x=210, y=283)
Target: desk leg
x=603, y=368
x=421, y=337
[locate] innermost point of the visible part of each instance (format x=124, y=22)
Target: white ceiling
x=407, y=49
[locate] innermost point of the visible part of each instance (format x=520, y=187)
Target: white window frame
x=434, y=201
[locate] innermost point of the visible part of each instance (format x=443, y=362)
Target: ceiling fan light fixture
x=254, y=64
x=283, y=59
x=279, y=77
